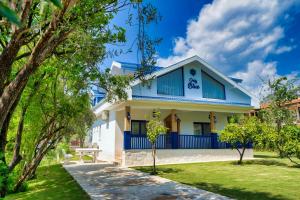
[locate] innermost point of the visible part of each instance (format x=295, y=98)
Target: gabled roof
x=208, y=66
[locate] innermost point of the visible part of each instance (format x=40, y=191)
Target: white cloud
x=229, y=34
x=235, y=37
x=257, y=75
x=284, y=49
x=180, y=46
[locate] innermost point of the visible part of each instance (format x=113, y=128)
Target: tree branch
x=16, y=156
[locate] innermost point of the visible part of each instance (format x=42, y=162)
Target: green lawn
x=52, y=182
x=266, y=178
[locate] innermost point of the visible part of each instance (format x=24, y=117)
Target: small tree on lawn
x=240, y=134
x=290, y=137
x=277, y=114
x=154, y=128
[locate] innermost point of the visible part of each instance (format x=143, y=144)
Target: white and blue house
x=195, y=101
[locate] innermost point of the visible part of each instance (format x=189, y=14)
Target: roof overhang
x=188, y=106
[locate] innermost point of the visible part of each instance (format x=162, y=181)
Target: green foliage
x=282, y=92
x=57, y=3
x=279, y=117
x=290, y=142
x=9, y=14
x=115, y=85
x=242, y=133
x=12, y=16
x=233, y=118
x=155, y=127
x=3, y=171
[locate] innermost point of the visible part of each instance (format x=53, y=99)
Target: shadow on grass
x=265, y=162
x=159, y=170
x=265, y=156
x=236, y=193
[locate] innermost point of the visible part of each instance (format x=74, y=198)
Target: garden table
x=88, y=151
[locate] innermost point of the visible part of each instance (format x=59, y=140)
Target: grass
x=52, y=182
x=76, y=157
x=84, y=158
x=266, y=178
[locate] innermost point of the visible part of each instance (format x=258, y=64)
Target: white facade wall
x=187, y=118
x=176, y=156
x=232, y=94
x=104, y=136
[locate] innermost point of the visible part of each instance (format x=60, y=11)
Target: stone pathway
x=105, y=181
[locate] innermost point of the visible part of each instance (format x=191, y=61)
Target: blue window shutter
x=171, y=83
x=211, y=88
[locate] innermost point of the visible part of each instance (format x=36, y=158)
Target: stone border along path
x=106, y=181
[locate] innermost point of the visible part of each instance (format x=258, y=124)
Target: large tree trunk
x=11, y=50
x=3, y=141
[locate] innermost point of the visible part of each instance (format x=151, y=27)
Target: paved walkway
x=105, y=181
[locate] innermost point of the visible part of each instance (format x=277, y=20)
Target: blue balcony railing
x=175, y=141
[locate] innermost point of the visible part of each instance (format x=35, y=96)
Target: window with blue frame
x=211, y=88
x=171, y=83
x=138, y=127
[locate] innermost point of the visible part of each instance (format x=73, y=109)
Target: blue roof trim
x=99, y=94
x=175, y=99
x=135, y=66
x=237, y=80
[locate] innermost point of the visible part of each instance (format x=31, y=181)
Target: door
x=168, y=124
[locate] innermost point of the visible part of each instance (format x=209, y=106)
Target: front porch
x=186, y=129
x=191, y=137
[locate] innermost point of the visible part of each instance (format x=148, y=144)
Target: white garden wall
x=176, y=156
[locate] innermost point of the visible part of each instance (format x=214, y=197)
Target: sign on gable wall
x=193, y=83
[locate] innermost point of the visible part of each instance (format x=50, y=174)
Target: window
x=138, y=127
x=201, y=128
x=211, y=88
x=171, y=83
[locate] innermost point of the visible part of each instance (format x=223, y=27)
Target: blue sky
x=250, y=39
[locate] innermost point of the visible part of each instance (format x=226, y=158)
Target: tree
x=155, y=127
x=77, y=31
x=81, y=126
x=60, y=106
x=277, y=114
x=291, y=143
x=240, y=134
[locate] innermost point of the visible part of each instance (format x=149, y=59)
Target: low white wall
x=174, y=156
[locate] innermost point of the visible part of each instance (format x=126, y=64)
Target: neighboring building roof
x=294, y=101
